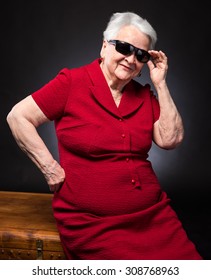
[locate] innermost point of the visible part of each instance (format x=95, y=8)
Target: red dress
x=111, y=205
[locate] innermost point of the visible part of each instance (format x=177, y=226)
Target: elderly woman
x=108, y=203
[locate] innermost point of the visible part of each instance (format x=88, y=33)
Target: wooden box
x=27, y=227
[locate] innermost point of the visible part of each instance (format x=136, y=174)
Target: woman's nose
x=131, y=58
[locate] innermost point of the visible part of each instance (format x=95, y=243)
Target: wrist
x=161, y=87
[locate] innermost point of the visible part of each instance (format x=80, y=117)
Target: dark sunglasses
x=127, y=49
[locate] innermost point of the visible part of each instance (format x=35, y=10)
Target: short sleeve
x=52, y=97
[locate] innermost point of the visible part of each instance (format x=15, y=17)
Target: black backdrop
x=38, y=38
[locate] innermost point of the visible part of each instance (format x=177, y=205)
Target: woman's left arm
x=168, y=131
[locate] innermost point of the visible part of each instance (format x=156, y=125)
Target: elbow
x=12, y=117
x=168, y=137
x=170, y=144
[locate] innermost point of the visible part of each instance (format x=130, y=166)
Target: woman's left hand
x=158, y=66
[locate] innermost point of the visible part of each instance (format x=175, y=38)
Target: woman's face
x=124, y=67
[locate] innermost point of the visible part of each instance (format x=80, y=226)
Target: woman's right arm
x=23, y=120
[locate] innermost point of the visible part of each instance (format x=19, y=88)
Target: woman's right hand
x=54, y=175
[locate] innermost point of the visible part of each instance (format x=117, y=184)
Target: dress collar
x=132, y=98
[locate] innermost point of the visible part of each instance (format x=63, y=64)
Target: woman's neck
x=113, y=82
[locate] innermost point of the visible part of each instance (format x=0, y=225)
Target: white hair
x=119, y=20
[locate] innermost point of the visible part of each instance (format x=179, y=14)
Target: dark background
x=38, y=38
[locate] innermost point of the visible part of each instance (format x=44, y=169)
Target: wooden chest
x=27, y=227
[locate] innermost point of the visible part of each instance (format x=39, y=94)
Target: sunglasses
x=127, y=49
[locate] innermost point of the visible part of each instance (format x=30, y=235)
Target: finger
x=51, y=189
x=54, y=188
x=157, y=55
x=150, y=65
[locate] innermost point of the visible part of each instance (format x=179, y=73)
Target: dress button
x=123, y=135
x=120, y=120
x=127, y=159
x=133, y=181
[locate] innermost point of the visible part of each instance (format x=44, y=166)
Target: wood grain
x=25, y=219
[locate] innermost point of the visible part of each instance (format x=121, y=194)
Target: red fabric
x=111, y=205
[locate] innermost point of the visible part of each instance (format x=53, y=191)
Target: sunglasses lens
x=123, y=48
x=142, y=56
